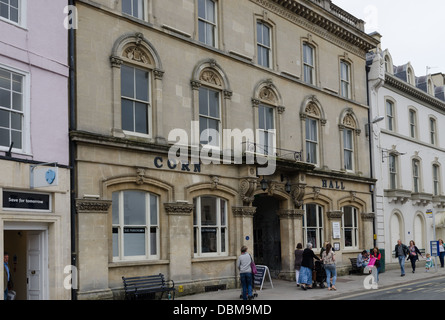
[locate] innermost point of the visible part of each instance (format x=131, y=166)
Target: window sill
x=213, y=259
x=129, y=263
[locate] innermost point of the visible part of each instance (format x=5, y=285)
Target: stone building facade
x=157, y=76
x=408, y=152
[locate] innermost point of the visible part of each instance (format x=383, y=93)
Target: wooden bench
x=146, y=287
x=355, y=269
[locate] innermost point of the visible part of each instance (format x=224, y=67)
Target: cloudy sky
x=412, y=30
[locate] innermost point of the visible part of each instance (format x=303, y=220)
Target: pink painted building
x=34, y=147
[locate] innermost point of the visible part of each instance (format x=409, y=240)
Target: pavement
x=347, y=285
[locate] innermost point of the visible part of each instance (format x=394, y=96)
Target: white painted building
x=408, y=153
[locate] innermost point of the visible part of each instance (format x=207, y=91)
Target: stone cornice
x=396, y=83
x=324, y=23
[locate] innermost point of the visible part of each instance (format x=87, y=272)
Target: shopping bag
x=371, y=262
x=253, y=266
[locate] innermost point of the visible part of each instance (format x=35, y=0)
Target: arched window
x=313, y=225
x=135, y=225
x=348, y=134
x=211, y=92
x=137, y=72
x=312, y=117
x=416, y=175
x=210, y=226
x=350, y=226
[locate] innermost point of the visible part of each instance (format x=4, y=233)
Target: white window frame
x=412, y=118
x=416, y=175
x=319, y=228
x=307, y=65
x=142, y=11
x=316, y=142
x=22, y=11
x=149, y=134
x=392, y=168
x=262, y=45
x=354, y=228
x=433, y=131
x=197, y=228
x=207, y=22
x=436, y=180
x=26, y=104
x=345, y=83
x=267, y=147
x=209, y=117
x=147, y=227
x=348, y=150
x=390, y=116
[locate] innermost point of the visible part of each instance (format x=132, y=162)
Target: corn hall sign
x=332, y=184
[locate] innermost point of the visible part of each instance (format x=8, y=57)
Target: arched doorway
x=266, y=233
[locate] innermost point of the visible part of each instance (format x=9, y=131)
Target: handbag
x=253, y=266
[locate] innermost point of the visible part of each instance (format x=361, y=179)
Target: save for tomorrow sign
x=26, y=201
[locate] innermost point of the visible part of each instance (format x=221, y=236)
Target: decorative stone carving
x=367, y=216
x=215, y=181
x=334, y=214
x=140, y=176
x=92, y=206
x=247, y=188
x=179, y=208
x=290, y=213
x=243, y=211
x=312, y=109
x=297, y=194
x=211, y=77
x=135, y=53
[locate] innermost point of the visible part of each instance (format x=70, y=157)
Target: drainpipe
x=72, y=127
x=371, y=165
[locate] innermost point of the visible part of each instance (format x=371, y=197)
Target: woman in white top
x=329, y=265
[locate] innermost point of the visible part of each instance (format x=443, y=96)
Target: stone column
x=367, y=236
x=93, y=249
x=180, y=230
x=333, y=216
x=244, y=228
x=290, y=230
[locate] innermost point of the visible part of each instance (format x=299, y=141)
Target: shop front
x=35, y=229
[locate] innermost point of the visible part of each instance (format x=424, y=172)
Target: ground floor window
x=135, y=225
x=350, y=227
x=210, y=226
x=313, y=225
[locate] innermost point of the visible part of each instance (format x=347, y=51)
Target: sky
x=412, y=30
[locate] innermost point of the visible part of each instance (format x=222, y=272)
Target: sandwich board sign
x=261, y=275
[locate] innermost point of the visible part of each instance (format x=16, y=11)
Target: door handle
x=33, y=272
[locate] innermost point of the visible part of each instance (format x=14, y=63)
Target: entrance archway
x=266, y=233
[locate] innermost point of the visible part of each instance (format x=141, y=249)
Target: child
x=429, y=262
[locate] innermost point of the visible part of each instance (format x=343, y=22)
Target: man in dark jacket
x=401, y=252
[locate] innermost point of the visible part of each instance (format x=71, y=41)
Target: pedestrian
x=6, y=275
x=328, y=257
x=298, y=260
x=377, y=256
x=413, y=254
x=429, y=262
x=362, y=259
x=401, y=251
x=307, y=265
x=245, y=269
x=441, y=252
